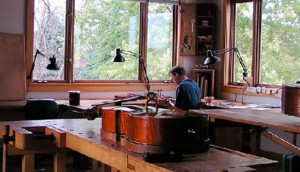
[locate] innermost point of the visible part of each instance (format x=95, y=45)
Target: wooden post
x=6, y=139
x=60, y=161
x=255, y=140
x=28, y=163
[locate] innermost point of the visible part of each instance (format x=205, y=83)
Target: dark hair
x=177, y=69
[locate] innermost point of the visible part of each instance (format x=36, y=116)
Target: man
x=187, y=94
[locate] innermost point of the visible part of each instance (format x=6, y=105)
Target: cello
x=142, y=130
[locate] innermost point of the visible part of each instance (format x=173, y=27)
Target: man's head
x=177, y=73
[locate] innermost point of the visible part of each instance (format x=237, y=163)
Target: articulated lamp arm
x=33, y=63
x=141, y=61
x=238, y=55
x=151, y=96
x=52, y=66
x=145, y=74
x=131, y=53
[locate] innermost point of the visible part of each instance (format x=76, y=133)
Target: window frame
x=228, y=40
x=95, y=85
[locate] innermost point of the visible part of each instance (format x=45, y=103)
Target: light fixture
x=120, y=58
x=51, y=66
x=212, y=58
x=151, y=96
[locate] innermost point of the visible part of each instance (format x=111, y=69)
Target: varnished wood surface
x=262, y=118
x=84, y=103
x=12, y=67
x=84, y=136
x=13, y=103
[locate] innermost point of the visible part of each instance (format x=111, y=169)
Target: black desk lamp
x=120, y=58
x=51, y=66
x=213, y=58
x=151, y=96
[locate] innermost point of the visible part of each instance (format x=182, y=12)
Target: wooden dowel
x=4, y=149
x=281, y=142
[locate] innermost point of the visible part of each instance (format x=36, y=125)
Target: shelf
x=203, y=25
x=206, y=41
x=205, y=78
x=205, y=16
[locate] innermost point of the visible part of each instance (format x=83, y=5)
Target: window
x=267, y=35
x=280, y=62
x=84, y=39
x=49, y=38
x=243, y=39
x=159, y=44
x=100, y=28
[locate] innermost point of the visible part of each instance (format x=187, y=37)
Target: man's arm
x=170, y=105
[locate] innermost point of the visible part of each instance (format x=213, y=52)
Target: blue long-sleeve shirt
x=188, y=95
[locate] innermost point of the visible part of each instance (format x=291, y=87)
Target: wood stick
x=281, y=142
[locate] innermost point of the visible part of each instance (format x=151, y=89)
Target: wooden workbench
x=262, y=120
x=83, y=136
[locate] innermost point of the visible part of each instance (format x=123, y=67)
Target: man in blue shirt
x=187, y=94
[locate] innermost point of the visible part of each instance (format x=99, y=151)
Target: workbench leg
x=95, y=165
x=28, y=163
x=105, y=168
x=4, y=157
x=60, y=162
x=255, y=140
x=114, y=170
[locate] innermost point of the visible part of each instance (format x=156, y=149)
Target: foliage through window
x=49, y=37
x=243, y=41
x=268, y=39
x=280, y=62
x=84, y=39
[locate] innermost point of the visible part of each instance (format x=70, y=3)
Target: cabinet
x=12, y=67
x=197, y=32
x=205, y=78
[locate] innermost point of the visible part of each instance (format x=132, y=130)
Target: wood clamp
x=151, y=96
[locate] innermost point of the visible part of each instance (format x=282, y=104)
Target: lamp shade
x=118, y=57
x=211, y=58
x=53, y=65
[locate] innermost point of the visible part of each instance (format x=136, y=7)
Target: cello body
x=163, y=132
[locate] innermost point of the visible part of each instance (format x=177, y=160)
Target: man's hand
x=164, y=102
x=170, y=105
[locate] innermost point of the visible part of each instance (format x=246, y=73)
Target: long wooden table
x=83, y=136
x=263, y=120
